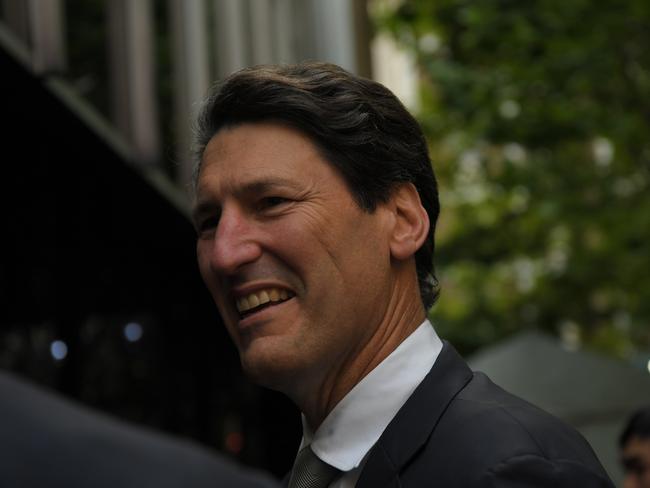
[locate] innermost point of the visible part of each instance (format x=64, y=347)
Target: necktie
x=311, y=472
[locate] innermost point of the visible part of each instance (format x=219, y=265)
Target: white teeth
x=261, y=297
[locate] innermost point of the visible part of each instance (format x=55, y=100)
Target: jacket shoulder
x=489, y=437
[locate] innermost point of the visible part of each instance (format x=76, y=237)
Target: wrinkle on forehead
x=234, y=157
x=244, y=137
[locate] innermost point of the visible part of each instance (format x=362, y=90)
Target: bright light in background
x=395, y=68
x=59, y=350
x=570, y=335
x=648, y=365
x=234, y=442
x=603, y=151
x=514, y=152
x=509, y=109
x=429, y=43
x=133, y=331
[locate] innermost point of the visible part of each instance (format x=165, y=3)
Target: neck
x=402, y=316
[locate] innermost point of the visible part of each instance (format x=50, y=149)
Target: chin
x=276, y=370
x=268, y=375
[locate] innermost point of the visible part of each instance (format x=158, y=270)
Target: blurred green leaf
x=538, y=118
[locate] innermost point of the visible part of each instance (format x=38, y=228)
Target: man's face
x=300, y=274
x=636, y=463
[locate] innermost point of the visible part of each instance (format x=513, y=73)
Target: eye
x=207, y=224
x=272, y=202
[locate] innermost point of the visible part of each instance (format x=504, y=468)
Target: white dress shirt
x=354, y=425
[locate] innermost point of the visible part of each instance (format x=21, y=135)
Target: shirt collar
x=358, y=420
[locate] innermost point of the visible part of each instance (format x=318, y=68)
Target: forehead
x=258, y=151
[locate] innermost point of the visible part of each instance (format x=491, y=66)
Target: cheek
x=209, y=278
x=357, y=249
x=297, y=244
x=203, y=260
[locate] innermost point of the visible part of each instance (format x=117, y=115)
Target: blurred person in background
x=47, y=441
x=635, y=450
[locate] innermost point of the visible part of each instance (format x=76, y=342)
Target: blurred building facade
x=103, y=298
x=198, y=41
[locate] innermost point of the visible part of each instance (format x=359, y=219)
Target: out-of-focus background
x=538, y=118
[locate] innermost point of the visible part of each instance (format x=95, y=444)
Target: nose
x=235, y=242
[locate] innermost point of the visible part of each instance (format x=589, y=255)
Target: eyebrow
x=264, y=184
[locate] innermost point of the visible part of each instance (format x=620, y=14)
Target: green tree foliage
x=538, y=116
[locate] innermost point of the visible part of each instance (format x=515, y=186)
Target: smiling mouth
x=260, y=299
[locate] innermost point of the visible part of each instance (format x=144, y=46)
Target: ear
x=411, y=222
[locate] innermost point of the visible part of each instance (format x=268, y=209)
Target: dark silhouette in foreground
x=48, y=441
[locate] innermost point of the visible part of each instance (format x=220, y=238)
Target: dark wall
x=89, y=246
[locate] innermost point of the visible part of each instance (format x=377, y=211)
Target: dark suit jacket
x=459, y=429
x=47, y=441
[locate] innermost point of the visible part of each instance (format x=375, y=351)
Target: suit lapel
x=415, y=421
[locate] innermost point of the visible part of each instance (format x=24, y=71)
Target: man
x=47, y=441
x=315, y=210
x=635, y=449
